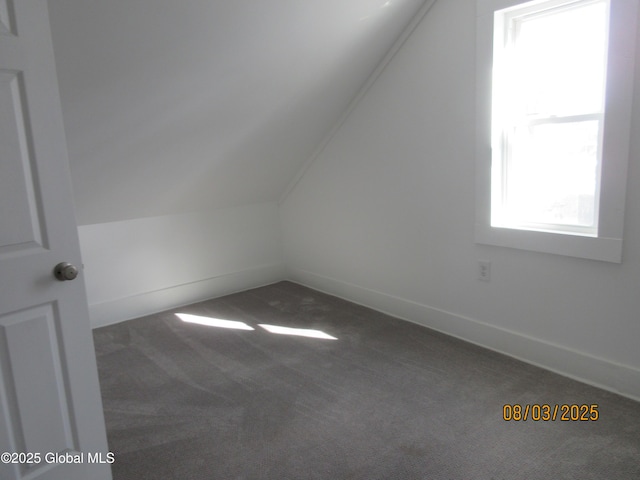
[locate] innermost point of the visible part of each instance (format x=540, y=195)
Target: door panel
x=6, y=17
x=18, y=206
x=35, y=381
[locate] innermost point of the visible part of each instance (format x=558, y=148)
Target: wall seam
x=366, y=86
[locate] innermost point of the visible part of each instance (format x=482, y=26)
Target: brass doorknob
x=65, y=271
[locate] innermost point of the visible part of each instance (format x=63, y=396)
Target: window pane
x=552, y=174
x=559, y=61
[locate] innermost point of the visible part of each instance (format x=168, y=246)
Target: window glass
x=548, y=105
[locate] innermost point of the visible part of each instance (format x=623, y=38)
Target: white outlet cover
x=484, y=270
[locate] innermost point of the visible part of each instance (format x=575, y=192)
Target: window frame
x=606, y=242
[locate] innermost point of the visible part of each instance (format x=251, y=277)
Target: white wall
x=384, y=216
x=137, y=267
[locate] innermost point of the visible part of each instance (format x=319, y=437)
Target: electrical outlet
x=484, y=270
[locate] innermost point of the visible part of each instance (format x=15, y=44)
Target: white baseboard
x=621, y=379
x=147, y=303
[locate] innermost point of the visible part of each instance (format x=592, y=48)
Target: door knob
x=65, y=271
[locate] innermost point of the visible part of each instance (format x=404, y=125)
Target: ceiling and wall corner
x=174, y=107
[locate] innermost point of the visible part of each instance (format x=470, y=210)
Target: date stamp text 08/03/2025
x=544, y=412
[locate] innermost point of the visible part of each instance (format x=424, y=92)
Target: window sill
x=571, y=245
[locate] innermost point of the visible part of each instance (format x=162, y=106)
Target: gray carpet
x=386, y=400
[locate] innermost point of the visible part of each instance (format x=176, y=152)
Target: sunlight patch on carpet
x=300, y=332
x=213, y=322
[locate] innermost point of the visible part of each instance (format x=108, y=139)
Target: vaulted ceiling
x=176, y=106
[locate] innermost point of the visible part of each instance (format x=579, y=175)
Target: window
x=547, y=111
x=555, y=82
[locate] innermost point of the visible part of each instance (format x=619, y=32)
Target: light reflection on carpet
x=233, y=324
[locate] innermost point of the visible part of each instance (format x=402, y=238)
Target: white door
x=50, y=407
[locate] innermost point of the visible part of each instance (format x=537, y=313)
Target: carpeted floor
x=386, y=400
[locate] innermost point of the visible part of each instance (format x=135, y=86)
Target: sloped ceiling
x=176, y=106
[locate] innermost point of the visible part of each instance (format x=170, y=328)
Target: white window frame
x=606, y=243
